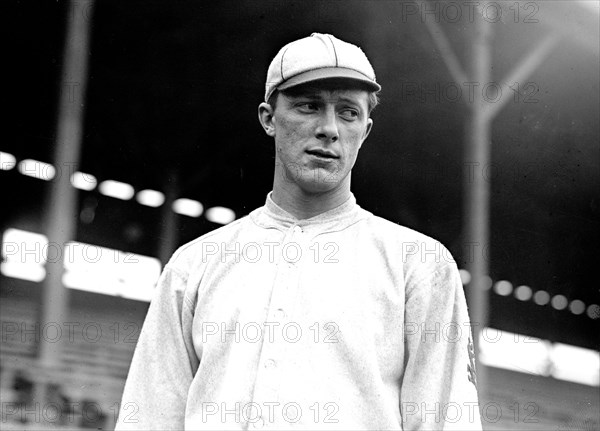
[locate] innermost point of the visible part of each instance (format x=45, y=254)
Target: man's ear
x=367, y=130
x=265, y=117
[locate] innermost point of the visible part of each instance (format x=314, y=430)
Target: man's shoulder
x=184, y=257
x=395, y=231
x=414, y=247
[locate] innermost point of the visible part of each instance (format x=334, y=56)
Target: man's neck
x=304, y=205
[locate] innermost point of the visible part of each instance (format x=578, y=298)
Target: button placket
x=272, y=353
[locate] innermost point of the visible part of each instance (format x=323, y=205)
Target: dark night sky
x=174, y=87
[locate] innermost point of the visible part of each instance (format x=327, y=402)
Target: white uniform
x=341, y=321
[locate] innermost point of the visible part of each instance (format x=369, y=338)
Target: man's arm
x=164, y=361
x=439, y=386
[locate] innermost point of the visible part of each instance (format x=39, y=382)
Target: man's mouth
x=324, y=154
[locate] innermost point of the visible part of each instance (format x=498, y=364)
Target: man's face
x=318, y=133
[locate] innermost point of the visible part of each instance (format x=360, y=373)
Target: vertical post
x=168, y=234
x=61, y=204
x=477, y=187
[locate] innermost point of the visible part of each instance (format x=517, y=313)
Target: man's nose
x=327, y=129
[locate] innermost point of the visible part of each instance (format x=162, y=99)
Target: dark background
x=173, y=93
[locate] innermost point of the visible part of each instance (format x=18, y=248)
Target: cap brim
x=329, y=73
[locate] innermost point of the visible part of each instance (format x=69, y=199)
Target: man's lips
x=325, y=154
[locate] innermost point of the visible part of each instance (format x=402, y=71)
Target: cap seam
x=334, y=50
x=281, y=67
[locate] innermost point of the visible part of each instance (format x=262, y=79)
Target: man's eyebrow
x=350, y=99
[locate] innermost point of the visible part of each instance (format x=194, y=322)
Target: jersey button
x=259, y=423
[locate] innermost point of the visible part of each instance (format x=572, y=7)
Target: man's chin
x=320, y=184
x=316, y=189
x=313, y=179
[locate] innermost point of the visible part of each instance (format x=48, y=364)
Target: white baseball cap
x=319, y=56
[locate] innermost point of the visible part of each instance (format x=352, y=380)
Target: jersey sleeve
x=163, y=363
x=438, y=390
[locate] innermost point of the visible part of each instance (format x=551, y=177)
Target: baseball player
x=310, y=312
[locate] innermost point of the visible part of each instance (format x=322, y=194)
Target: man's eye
x=308, y=106
x=350, y=113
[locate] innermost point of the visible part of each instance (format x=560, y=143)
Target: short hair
x=331, y=84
